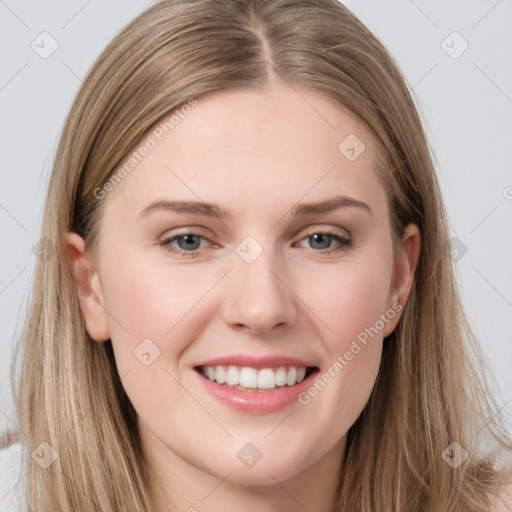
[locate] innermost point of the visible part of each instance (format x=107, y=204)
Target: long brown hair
x=428, y=393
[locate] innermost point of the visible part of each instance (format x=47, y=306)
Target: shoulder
x=11, y=477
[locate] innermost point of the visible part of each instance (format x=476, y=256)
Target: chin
x=265, y=471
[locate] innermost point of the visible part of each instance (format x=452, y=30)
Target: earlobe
x=88, y=285
x=405, y=265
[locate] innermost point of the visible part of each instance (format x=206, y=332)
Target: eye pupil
x=317, y=238
x=188, y=239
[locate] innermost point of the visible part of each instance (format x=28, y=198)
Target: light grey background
x=466, y=104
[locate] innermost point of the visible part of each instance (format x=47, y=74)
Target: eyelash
x=345, y=243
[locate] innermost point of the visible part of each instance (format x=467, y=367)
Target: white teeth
x=266, y=379
x=281, y=376
x=291, y=378
x=233, y=376
x=247, y=377
x=221, y=375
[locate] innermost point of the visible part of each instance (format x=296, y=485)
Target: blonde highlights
x=428, y=392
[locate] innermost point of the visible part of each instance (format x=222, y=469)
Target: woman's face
x=292, y=279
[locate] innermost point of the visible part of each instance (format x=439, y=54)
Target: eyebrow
x=213, y=210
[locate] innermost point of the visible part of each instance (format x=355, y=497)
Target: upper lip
x=256, y=362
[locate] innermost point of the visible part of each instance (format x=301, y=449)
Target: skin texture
x=256, y=153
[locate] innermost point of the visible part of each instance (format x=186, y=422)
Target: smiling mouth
x=246, y=378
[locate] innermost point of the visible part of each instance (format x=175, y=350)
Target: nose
x=258, y=297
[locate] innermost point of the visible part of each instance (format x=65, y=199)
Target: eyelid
x=326, y=229
x=182, y=231
x=308, y=231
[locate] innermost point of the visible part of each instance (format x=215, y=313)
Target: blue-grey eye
x=323, y=240
x=188, y=242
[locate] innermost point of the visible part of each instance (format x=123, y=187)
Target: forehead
x=252, y=148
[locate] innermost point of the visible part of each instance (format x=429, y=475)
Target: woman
x=190, y=346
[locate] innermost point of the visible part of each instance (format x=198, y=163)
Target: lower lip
x=256, y=402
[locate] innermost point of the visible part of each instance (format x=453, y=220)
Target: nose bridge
x=258, y=296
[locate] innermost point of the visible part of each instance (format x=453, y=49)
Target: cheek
x=352, y=305
x=155, y=302
x=154, y=312
x=151, y=295
x=349, y=300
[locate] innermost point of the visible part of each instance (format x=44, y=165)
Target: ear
x=405, y=263
x=90, y=295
